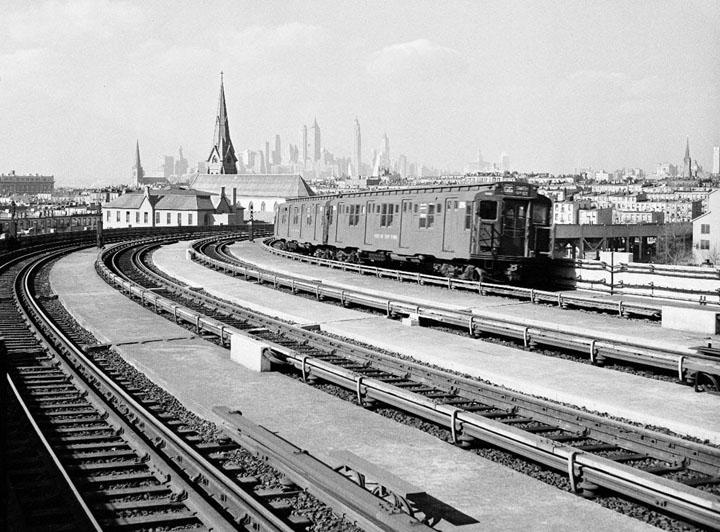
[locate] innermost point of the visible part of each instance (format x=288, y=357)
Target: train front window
x=488, y=210
x=540, y=214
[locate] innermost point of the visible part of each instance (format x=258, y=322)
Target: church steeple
x=687, y=162
x=138, y=172
x=222, y=158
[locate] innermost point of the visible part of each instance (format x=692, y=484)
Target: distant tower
x=385, y=150
x=222, y=158
x=357, y=149
x=315, y=149
x=687, y=162
x=504, y=162
x=181, y=165
x=716, y=160
x=303, y=143
x=277, y=154
x=138, y=172
x=268, y=158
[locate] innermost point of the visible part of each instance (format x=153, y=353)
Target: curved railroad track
x=697, y=369
x=668, y=474
x=125, y=460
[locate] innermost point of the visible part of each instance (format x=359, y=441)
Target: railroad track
x=668, y=474
x=623, y=308
x=697, y=369
x=127, y=463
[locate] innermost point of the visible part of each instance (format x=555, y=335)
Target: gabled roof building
x=169, y=207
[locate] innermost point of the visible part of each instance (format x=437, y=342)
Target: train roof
x=416, y=190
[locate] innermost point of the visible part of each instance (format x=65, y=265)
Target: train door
x=514, y=223
x=485, y=236
x=450, y=224
x=369, y=218
x=317, y=221
x=338, y=231
x=405, y=223
x=302, y=220
x=327, y=223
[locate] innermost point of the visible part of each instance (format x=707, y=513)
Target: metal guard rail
x=597, y=349
x=219, y=329
x=483, y=288
x=688, y=502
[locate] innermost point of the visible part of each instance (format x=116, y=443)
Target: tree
x=674, y=244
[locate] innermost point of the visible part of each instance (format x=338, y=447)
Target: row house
x=631, y=188
x=637, y=217
x=566, y=212
x=595, y=216
x=706, y=233
x=674, y=211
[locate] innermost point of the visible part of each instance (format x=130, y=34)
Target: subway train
x=482, y=231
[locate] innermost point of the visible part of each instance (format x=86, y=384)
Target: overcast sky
x=556, y=85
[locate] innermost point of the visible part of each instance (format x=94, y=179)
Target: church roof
x=254, y=185
x=170, y=199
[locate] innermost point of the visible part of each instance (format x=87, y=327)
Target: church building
x=259, y=193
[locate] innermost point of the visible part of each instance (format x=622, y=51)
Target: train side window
x=468, y=215
x=386, y=215
x=439, y=208
x=397, y=208
x=416, y=208
x=308, y=219
x=422, y=222
x=488, y=210
x=296, y=217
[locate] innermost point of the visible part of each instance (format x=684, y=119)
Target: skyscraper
x=138, y=172
x=181, y=165
x=277, y=153
x=357, y=149
x=687, y=162
x=222, y=158
x=716, y=160
x=303, y=143
x=315, y=149
x=504, y=162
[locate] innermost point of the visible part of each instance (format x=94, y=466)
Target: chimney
x=222, y=192
x=147, y=191
x=234, y=197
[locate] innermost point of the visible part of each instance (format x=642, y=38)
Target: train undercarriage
x=491, y=270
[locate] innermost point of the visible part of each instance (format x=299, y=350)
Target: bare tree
x=674, y=244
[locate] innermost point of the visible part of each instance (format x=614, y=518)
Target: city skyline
x=558, y=86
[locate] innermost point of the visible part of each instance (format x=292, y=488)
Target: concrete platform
x=487, y=496
x=646, y=401
x=611, y=327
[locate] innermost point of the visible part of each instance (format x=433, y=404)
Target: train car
x=490, y=226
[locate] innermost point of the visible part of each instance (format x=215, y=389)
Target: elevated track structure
x=669, y=474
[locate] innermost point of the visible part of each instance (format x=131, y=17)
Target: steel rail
x=69, y=485
x=306, y=471
x=689, y=503
x=624, y=308
x=684, y=362
x=534, y=296
x=216, y=484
